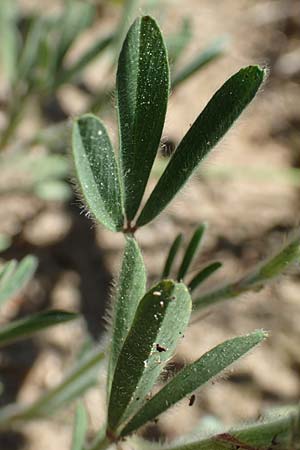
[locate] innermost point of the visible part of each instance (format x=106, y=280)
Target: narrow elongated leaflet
x=97, y=171
x=82, y=377
x=160, y=320
x=211, y=125
x=14, y=277
x=142, y=96
x=191, y=251
x=79, y=428
x=24, y=328
x=203, y=275
x=284, y=259
x=131, y=288
x=172, y=255
x=72, y=71
x=281, y=432
x=215, y=50
x=195, y=375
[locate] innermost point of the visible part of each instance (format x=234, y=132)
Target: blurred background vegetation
x=58, y=59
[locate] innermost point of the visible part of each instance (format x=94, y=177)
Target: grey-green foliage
x=287, y=257
x=193, y=376
x=24, y=328
x=82, y=376
x=210, y=126
x=14, y=276
x=79, y=428
x=142, y=94
x=130, y=289
x=97, y=171
x=160, y=320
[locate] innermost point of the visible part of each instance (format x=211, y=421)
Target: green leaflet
x=14, y=276
x=210, y=126
x=203, y=275
x=215, y=50
x=191, y=251
x=195, y=375
x=265, y=272
x=67, y=74
x=172, y=255
x=142, y=96
x=131, y=288
x=97, y=171
x=24, y=328
x=82, y=376
x=80, y=428
x=150, y=343
x=273, y=433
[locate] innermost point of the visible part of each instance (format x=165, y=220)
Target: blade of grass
x=195, y=375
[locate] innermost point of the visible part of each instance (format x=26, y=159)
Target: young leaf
x=14, y=277
x=80, y=428
x=191, y=251
x=285, y=258
x=203, y=275
x=142, y=96
x=172, y=255
x=131, y=288
x=97, y=171
x=193, y=376
x=25, y=328
x=160, y=320
x=211, y=125
x=215, y=50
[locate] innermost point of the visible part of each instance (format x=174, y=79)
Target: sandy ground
x=249, y=207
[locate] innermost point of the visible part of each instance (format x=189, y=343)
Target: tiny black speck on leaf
x=160, y=348
x=192, y=400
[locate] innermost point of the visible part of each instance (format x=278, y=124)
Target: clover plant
x=146, y=324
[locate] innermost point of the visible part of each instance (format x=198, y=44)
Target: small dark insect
x=160, y=348
x=167, y=147
x=192, y=400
